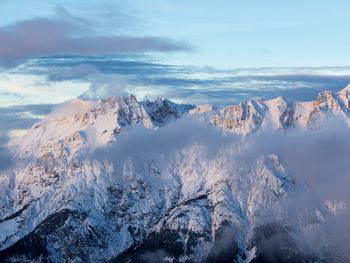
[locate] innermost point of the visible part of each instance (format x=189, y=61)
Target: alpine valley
x=118, y=180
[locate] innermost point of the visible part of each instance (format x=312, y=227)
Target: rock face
x=64, y=203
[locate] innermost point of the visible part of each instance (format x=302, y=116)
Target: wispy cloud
x=19, y=118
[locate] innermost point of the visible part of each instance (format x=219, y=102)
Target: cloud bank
x=65, y=34
x=313, y=219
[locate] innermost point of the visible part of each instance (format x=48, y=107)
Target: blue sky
x=257, y=33
x=219, y=52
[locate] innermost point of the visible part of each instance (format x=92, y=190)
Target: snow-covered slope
x=122, y=181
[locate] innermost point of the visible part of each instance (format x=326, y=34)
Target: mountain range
x=118, y=180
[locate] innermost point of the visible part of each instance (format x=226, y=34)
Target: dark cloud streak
x=66, y=34
x=220, y=87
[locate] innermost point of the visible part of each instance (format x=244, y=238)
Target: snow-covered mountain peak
x=278, y=113
x=346, y=89
x=344, y=95
x=98, y=122
x=161, y=111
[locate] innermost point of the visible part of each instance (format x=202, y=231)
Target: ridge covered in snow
x=126, y=181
